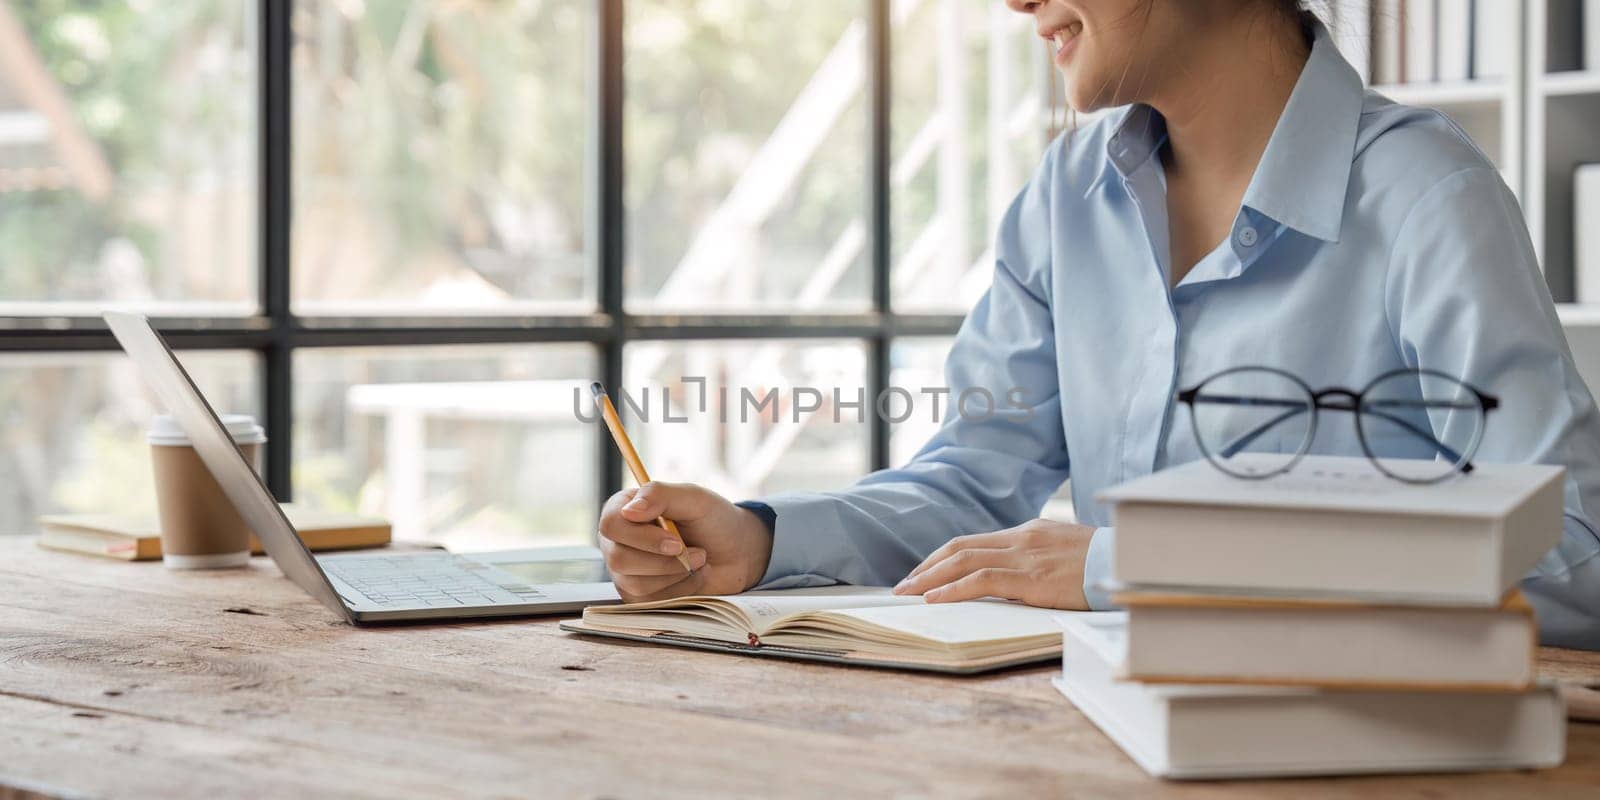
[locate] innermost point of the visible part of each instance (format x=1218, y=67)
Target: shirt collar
x=1135, y=139
x=1304, y=173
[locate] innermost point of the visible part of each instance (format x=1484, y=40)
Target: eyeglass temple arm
x=1255, y=433
x=1244, y=440
x=1426, y=436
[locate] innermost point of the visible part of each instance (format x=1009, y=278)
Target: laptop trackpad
x=548, y=565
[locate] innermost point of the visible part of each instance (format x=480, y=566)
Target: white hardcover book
x=1586, y=229
x=1186, y=732
x=1591, y=35
x=1454, y=20
x=1420, y=32
x=1336, y=527
x=1388, y=42
x=1494, y=33
x=1336, y=645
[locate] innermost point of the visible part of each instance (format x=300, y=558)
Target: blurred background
x=447, y=255
x=405, y=232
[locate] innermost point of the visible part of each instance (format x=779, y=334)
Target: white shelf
x=1578, y=314
x=1566, y=84
x=1489, y=91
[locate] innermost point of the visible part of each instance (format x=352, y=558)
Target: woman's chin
x=1084, y=103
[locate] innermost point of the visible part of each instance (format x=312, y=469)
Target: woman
x=1249, y=205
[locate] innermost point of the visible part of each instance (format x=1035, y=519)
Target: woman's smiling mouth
x=1065, y=40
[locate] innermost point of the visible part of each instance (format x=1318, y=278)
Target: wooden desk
x=126, y=679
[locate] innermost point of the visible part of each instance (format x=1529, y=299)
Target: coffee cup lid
x=165, y=430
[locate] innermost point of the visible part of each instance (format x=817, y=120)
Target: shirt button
x=1248, y=236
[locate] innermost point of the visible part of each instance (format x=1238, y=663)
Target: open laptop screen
x=239, y=482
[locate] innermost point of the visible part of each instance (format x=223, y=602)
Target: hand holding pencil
x=651, y=534
x=630, y=456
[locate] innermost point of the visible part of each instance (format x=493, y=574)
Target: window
x=752, y=417
x=127, y=165
x=73, y=432
x=439, y=157
x=746, y=155
x=969, y=91
x=409, y=235
x=475, y=447
x=917, y=366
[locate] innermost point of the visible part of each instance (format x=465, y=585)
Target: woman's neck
x=1224, y=101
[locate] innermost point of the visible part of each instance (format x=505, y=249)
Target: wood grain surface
x=127, y=680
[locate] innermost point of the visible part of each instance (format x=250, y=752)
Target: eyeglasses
x=1416, y=425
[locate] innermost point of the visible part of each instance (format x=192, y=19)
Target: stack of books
x=1428, y=41
x=1326, y=621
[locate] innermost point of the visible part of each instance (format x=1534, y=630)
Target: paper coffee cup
x=200, y=529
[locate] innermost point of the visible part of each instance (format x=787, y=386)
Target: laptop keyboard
x=415, y=581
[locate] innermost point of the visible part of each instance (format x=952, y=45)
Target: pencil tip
x=596, y=389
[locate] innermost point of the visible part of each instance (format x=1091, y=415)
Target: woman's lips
x=1066, y=40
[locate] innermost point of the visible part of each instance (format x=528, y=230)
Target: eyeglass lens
x=1251, y=410
x=1419, y=426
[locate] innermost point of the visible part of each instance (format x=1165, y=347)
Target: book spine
x=1455, y=40
x=1564, y=40
x=1388, y=42
x=1586, y=231
x=1472, y=39
x=1494, y=26
x=1432, y=34
x=1591, y=35
x=1421, y=36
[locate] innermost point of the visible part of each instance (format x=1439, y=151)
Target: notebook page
x=767, y=607
x=961, y=623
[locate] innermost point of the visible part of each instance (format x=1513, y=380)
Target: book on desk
x=138, y=537
x=853, y=625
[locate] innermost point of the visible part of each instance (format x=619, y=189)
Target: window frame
x=275, y=332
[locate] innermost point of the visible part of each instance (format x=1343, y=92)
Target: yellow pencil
x=608, y=413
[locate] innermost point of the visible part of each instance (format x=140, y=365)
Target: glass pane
x=128, y=156
x=439, y=156
x=75, y=423
x=473, y=447
x=916, y=365
x=968, y=110
x=746, y=155
x=775, y=415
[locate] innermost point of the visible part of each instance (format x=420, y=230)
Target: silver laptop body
x=376, y=586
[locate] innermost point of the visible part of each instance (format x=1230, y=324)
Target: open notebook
x=866, y=626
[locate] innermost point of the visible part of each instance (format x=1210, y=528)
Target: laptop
x=376, y=586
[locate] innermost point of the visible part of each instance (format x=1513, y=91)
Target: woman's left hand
x=1039, y=562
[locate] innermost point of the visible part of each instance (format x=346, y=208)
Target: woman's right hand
x=727, y=546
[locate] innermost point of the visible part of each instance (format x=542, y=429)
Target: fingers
x=987, y=582
x=644, y=589
x=643, y=535
x=623, y=560
x=976, y=540
x=957, y=566
x=650, y=538
x=641, y=555
x=680, y=502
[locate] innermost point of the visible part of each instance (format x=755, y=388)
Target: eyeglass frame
x=1462, y=465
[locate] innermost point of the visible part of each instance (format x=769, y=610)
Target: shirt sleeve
x=999, y=454
x=1465, y=296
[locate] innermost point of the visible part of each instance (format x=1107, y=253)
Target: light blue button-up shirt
x=1372, y=237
